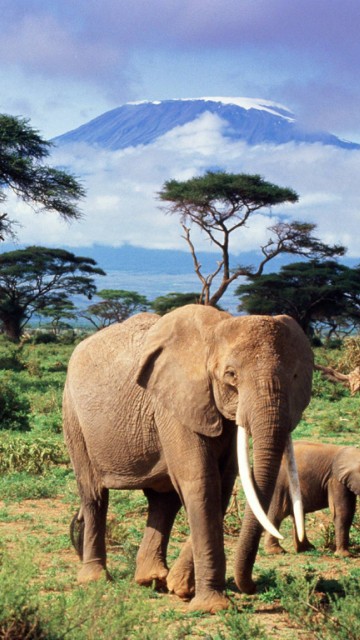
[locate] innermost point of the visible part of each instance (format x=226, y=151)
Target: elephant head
x=205, y=365
x=346, y=468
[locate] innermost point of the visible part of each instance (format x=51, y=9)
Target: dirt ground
x=39, y=519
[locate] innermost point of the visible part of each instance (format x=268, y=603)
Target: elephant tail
x=77, y=527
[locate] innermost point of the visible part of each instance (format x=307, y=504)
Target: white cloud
x=122, y=207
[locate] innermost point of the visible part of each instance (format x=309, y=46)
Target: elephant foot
x=181, y=580
x=274, y=549
x=304, y=546
x=92, y=571
x=210, y=602
x=246, y=585
x=343, y=553
x=147, y=573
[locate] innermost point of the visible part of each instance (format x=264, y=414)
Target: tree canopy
x=116, y=306
x=311, y=292
x=22, y=170
x=220, y=203
x=36, y=278
x=173, y=300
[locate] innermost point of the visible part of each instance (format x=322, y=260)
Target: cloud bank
x=122, y=206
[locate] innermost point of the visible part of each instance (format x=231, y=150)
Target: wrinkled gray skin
x=329, y=477
x=153, y=404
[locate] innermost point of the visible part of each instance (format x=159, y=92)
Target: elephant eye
x=230, y=376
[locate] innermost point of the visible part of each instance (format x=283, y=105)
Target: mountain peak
x=245, y=103
x=253, y=121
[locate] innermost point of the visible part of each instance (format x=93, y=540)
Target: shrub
x=328, y=609
x=33, y=455
x=14, y=407
x=10, y=355
x=20, y=615
x=322, y=388
x=43, y=337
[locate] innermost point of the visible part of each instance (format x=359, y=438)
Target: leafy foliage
x=324, y=292
x=117, y=305
x=14, y=407
x=220, y=203
x=332, y=616
x=38, y=277
x=33, y=455
x=173, y=300
x=22, y=169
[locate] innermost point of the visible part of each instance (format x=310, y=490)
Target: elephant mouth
x=246, y=478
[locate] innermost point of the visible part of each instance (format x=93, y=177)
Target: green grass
x=311, y=595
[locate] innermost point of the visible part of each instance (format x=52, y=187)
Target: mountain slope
x=253, y=121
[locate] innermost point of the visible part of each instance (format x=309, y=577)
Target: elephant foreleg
x=151, y=558
x=94, y=513
x=181, y=577
x=207, y=540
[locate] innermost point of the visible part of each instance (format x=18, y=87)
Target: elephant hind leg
x=181, y=578
x=342, y=503
x=87, y=529
x=94, y=513
x=151, y=564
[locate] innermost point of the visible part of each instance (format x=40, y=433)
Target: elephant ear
x=173, y=366
x=346, y=468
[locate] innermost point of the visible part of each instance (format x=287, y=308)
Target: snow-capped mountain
x=252, y=121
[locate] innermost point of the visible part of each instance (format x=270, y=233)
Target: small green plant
x=239, y=626
x=20, y=615
x=20, y=485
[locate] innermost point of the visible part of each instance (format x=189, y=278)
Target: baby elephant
x=329, y=477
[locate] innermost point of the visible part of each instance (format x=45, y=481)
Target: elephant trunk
x=269, y=444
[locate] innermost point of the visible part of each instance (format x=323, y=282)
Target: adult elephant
x=156, y=404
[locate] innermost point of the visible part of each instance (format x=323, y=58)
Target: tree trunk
x=12, y=327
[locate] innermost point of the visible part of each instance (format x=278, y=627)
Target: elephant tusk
x=294, y=486
x=248, y=485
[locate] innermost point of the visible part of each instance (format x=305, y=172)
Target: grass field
x=309, y=595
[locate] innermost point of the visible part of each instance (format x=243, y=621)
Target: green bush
x=322, y=388
x=43, y=337
x=10, y=355
x=20, y=615
x=14, y=406
x=327, y=609
x=33, y=455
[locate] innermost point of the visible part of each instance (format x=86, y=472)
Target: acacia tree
x=22, y=170
x=221, y=203
x=36, y=278
x=59, y=313
x=116, y=306
x=311, y=292
x=173, y=300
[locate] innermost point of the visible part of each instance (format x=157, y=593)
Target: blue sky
x=64, y=61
